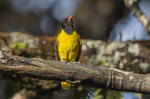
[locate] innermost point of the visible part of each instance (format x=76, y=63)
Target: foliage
x=18, y=45
x=107, y=94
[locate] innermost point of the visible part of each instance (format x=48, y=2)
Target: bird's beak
x=69, y=18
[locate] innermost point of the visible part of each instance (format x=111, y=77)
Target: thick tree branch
x=91, y=75
x=130, y=56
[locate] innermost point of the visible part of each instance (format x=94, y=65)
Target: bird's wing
x=56, y=50
x=80, y=46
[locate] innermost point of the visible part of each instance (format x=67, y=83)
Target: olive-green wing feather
x=56, y=51
x=79, y=53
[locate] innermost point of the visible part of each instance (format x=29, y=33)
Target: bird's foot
x=77, y=62
x=63, y=61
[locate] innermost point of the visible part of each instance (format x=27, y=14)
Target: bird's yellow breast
x=68, y=46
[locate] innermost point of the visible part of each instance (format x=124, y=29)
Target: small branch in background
x=130, y=3
x=133, y=5
x=101, y=77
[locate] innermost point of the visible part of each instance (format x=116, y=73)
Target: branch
x=90, y=75
x=130, y=56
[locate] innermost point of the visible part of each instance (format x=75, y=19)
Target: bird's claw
x=63, y=61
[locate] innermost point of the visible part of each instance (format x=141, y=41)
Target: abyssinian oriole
x=68, y=45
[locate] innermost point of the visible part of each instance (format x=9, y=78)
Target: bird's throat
x=69, y=29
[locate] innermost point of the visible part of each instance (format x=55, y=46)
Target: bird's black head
x=68, y=25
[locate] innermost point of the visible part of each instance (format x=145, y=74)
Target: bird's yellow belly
x=68, y=48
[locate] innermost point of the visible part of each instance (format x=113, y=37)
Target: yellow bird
x=68, y=45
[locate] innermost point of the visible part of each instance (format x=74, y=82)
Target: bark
x=101, y=77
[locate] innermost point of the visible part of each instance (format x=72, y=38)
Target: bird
x=130, y=28
x=68, y=45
